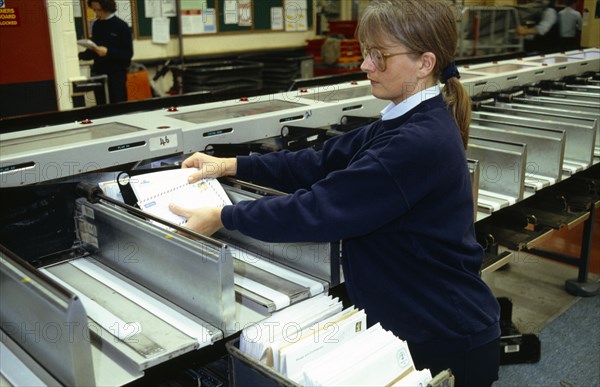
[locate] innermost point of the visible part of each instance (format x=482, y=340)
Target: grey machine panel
x=39, y=155
x=168, y=264
x=135, y=297
x=45, y=319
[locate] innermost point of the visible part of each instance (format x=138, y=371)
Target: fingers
x=200, y=161
x=207, y=170
x=208, y=166
x=194, y=177
x=192, y=162
x=181, y=211
x=101, y=50
x=205, y=221
x=186, y=213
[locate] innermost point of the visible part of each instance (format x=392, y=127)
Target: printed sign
x=9, y=17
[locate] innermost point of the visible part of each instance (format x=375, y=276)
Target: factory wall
x=26, y=68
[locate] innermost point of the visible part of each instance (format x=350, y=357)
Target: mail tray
x=247, y=371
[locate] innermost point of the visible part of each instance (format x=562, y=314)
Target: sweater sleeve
x=549, y=17
x=289, y=171
x=347, y=203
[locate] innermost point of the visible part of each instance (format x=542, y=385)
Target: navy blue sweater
x=398, y=193
x=115, y=35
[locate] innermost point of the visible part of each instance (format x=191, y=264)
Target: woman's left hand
x=205, y=221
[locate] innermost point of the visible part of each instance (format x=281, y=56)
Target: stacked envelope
x=318, y=343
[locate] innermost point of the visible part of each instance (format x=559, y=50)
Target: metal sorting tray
x=167, y=264
x=545, y=152
x=291, y=271
x=579, y=139
x=502, y=172
x=133, y=303
x=559, y=128
x=582, y=118
x=46, y=320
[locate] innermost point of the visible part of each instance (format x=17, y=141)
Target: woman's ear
x=428, y=61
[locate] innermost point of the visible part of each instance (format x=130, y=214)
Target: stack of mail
x=263, y=340
x=375, y=357
x=316, y=342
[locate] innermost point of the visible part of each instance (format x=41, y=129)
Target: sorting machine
x=93, y=293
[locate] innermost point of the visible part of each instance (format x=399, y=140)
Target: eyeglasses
x=379, y=58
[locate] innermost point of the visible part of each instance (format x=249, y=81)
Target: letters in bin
x=247, y=371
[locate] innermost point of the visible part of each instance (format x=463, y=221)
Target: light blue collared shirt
x=392, y=110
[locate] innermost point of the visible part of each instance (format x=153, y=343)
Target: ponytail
x=459, y=102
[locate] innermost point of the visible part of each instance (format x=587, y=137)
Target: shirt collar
x=110, y=16
x=392, y=110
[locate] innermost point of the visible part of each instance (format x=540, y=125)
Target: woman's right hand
x=209, y=166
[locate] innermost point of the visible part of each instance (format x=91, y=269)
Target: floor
x=569, y=341
x=535, y=285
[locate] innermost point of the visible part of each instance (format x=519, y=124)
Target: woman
x=113, y=51
x=397, y=192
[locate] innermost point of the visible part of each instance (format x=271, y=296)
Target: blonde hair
x=421, y=26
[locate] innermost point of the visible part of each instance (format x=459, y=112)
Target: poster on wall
x=198, y=22
x=244, y=13
x=196, y=18
x=152, y=8
x=168, y=8
x=9, y=17
x=160, y=30
x=230, y=11
x=160, y=8
x=124, y=11
x=295, y=15
x=277, y=18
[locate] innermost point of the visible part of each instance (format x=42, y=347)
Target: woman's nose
x=367, y=64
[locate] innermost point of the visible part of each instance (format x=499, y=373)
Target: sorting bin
x=281, y=69
x=219, y=76
x=247, y=371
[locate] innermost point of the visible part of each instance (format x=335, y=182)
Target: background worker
x=570, y=24
x=544, y=35
x=114, y=50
